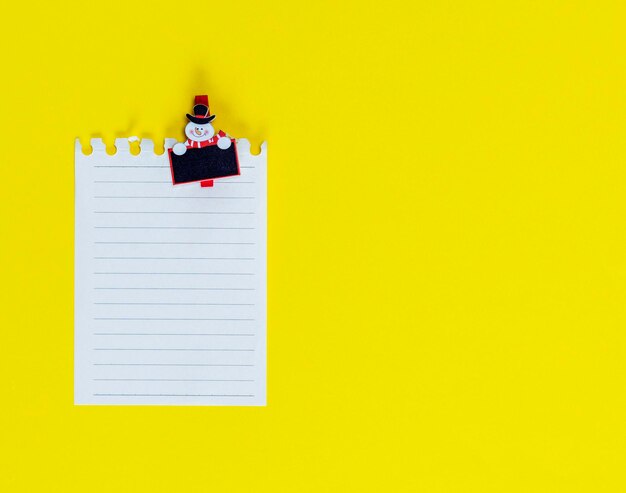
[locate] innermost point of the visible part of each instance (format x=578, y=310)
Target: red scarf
x=191, y=144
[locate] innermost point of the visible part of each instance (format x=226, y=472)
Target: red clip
x=203, y=99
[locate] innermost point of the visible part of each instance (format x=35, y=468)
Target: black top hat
x=200, y=114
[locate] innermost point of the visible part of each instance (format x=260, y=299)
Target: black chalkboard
x=204, y=163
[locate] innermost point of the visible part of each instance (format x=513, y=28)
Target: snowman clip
x=205, y=155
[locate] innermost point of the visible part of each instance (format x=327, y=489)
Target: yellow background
x=446, y=242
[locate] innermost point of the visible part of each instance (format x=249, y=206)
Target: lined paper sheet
x=170, y=281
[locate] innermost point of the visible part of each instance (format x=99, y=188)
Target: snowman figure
x=199, y=131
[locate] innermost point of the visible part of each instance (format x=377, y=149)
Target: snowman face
x=199, y=133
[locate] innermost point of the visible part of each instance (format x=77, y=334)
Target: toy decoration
x=205, y=155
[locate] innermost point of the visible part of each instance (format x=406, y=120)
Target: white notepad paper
x=170, y=281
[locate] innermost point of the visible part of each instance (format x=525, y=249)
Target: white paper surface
x=170, y=281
